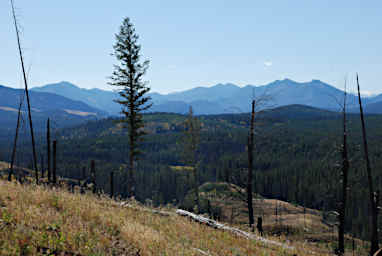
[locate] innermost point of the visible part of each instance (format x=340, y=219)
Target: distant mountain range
x=224, y=98
x=99, y=99
x=61, y=110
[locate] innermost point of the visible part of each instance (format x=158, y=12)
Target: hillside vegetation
x=296, y=159
x=36, y=218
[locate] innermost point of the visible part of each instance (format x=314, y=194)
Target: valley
x=295, y=161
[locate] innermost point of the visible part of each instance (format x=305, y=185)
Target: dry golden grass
x=304, y=228
x=4, y=165
x=36, y=216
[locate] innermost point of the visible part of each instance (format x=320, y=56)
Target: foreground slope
x=39, y=218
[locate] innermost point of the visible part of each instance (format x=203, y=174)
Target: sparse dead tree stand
x=26, y=91
x=373, y=202
x=344, y=175
x=250, y=168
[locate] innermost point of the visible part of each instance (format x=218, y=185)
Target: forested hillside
x=296, y=157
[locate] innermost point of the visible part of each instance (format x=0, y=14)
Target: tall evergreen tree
x=128, y=78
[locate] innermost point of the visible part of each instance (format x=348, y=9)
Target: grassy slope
x=289, y=220
x=32, y=216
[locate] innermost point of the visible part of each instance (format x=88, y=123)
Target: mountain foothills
x=96, y=98
x=223, y=98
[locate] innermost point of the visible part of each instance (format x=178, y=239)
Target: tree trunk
x=111, y=184
x=196, y=185
x=15, y=141
x=345, y=171
x=42, y=166
x=26, y=92
x=130, y=178
x=373, y=205
x=132, y=137
x=250, y=167
x=93, y=173
x=84, y=173
x=48, y=151
x=54, y=162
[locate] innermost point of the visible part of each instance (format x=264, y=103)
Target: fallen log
x=378, y=253
x=236, y=231
x=201, y=252
x=135, y=207
x=211, y=223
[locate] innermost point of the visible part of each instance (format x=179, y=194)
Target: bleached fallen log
x=378, y=253
x=134, y=206
x=236, y=231
x=202, y=252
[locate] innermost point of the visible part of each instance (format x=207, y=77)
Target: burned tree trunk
x=250, y=169
x=344, y=174
x=15, y=141
x=111, y=184
x=93, y=174
x=42, y=166
x=26, y=91
x=54, y=162
x=373, y=204
x=48, y=150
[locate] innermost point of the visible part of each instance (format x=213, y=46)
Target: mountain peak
x=226, y=85
x=66, y=84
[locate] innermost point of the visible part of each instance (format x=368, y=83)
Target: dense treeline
x=296, y=158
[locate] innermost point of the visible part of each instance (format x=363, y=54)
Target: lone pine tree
x=128, y=78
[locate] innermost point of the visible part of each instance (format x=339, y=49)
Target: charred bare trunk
x=42, y=166
x=48, y=151
x=111, y=184
x=54, y=162
x=373, y=204
x=344, y=174
x=84, y=173
x=250, y=169
x=93, y=173
x=26, y=92
x=15, y=140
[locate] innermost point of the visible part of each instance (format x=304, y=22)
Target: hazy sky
x=197, y=43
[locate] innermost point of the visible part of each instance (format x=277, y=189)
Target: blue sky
x=197, y=43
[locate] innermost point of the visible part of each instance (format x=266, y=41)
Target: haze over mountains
x=224, y=98
x=59, y=109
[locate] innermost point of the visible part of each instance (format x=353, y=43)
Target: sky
x=196, y=43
